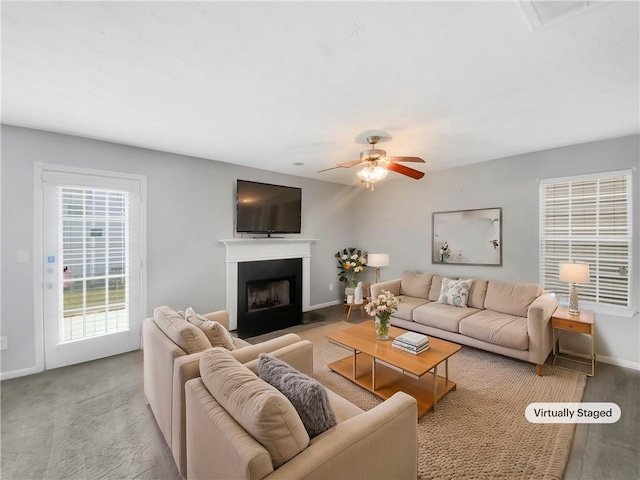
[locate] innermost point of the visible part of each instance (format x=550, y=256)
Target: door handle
x=50, y=285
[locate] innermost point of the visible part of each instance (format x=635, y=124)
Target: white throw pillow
x=455, y=292
x=215, y=331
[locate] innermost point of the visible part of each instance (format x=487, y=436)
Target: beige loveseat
x=511, y=319
x=172, y=357
x=240, y=427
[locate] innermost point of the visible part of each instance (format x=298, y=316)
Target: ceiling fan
x=378, y=164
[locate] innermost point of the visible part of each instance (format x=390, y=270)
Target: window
x=94, y=246
x=588, y=219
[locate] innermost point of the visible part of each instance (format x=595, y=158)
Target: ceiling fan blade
x=327, y=169
x=405, y=159
x=409, y=172
x=344, y=165
x=351, y=163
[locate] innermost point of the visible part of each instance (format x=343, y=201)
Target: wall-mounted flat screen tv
x=266, y=208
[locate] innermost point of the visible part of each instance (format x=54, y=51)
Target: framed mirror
x=467, y=237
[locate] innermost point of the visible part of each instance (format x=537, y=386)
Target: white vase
x=358, y=294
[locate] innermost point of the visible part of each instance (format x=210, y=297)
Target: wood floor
x=91, y=421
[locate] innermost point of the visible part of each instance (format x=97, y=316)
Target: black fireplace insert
x=269, y=296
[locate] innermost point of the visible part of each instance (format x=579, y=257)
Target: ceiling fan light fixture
x=371, y=174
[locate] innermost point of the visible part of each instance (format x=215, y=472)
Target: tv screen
x=266, y=208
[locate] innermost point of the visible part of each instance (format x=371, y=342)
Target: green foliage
x=351, y=261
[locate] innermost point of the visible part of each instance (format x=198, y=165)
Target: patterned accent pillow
x=215, y=331
x=455, y=292
x=307, y=395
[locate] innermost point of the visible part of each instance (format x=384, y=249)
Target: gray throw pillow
x=307, y=395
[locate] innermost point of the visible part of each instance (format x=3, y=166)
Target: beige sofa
x=240, y=427
x=511, y=319
x=172, y=357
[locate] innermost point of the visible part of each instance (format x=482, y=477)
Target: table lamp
x=574, y=273
x=378, y=260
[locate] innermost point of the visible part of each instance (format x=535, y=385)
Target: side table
x=350, y=306
x=582, y=323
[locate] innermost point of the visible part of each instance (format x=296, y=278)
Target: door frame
x=38, y=263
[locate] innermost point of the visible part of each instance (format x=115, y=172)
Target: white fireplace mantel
x=253, y=250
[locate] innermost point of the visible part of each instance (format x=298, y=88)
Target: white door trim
x=38, y=263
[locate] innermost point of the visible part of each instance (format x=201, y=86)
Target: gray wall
x=190, y=205
x=405, y=207
x=191, y=202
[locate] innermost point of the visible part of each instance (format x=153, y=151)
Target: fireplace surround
x=240, y=250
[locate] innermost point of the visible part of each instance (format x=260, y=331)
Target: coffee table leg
x=435, y=387
x=446, y=371
x=355, y=356
x=373, y=374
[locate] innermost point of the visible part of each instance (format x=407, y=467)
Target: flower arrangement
x=445, y=251
x=382, y=307
x=351, y=261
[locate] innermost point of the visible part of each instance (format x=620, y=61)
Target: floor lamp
x=378, y=260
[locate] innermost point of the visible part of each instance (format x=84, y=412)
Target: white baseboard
x=618, y=362
x=323, y=305
x=23, y=372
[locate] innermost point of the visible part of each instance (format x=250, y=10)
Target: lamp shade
x=378, y=260
x=574, y=272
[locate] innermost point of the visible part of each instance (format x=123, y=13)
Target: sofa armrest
x=539, y=327
x=361, y=446
x=298, y=355
x=251, y=352
x=160, y=355
x=184, y=369
x=391, y=285
x=221, y=316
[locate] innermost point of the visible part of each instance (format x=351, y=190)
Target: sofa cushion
x=407, y=305
x=188, y=337
x=455, y=292
x=415, y=284
x=477, y=293
x=497, y=328
x=436, y=286
x=265, y=413
x=307, y=395
x=511, y=298
x=439, y=315
x=217, y=335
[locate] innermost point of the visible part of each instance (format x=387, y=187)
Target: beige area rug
x=479, y=430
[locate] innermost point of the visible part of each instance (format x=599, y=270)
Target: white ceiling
x=268, y=84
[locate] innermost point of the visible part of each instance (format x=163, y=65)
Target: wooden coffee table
x=383, y=370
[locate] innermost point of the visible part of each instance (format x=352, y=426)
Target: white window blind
x=588, y=219
x=94, y=250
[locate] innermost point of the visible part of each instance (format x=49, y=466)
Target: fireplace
x=265, y=294
x=269, y=295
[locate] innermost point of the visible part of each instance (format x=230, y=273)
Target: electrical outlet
x=331, y=287
x=3, y=343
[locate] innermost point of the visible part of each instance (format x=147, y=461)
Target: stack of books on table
x=411, y=342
